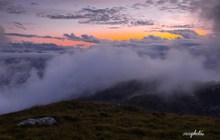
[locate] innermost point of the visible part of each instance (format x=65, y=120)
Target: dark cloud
x=210, y=10
x=146, y=4
x=186, y=33
x=149, y=1
x=159, y=3
x=170, y=5
x=141, y=23
x=113, y=27
x=68, y=16
x=183, y=26
x=11, y=8
x=84, y=38
x=107, y=16
x=19, y=25
x=34, y=3
x=33, y=36
x=3, y=39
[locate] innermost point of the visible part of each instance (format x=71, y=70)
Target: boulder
x=38, y=121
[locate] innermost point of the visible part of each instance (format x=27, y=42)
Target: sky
x=47, y=21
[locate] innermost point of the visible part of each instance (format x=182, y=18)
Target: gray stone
x=38, y=121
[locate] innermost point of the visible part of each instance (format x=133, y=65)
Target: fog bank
x=84, y=72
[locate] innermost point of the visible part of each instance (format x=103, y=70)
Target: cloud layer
x=11, y=8
x=33, y=36
x=83, y=72
x=84, y=38
x=107, y=16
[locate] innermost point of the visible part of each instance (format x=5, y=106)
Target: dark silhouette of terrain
x=203, y=100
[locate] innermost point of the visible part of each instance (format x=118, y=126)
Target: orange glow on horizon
x=201, y=32
x=135, y=35
x=118, y=34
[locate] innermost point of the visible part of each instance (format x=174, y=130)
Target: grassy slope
x=87, y=121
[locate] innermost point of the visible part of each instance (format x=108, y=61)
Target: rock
x=38, y=121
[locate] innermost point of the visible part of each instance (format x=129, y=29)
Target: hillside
x=204, y=99
x=80, y=120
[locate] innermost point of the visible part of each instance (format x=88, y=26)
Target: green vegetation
x=78, y=120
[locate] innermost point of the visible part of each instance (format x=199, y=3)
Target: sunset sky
x=46, y=21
